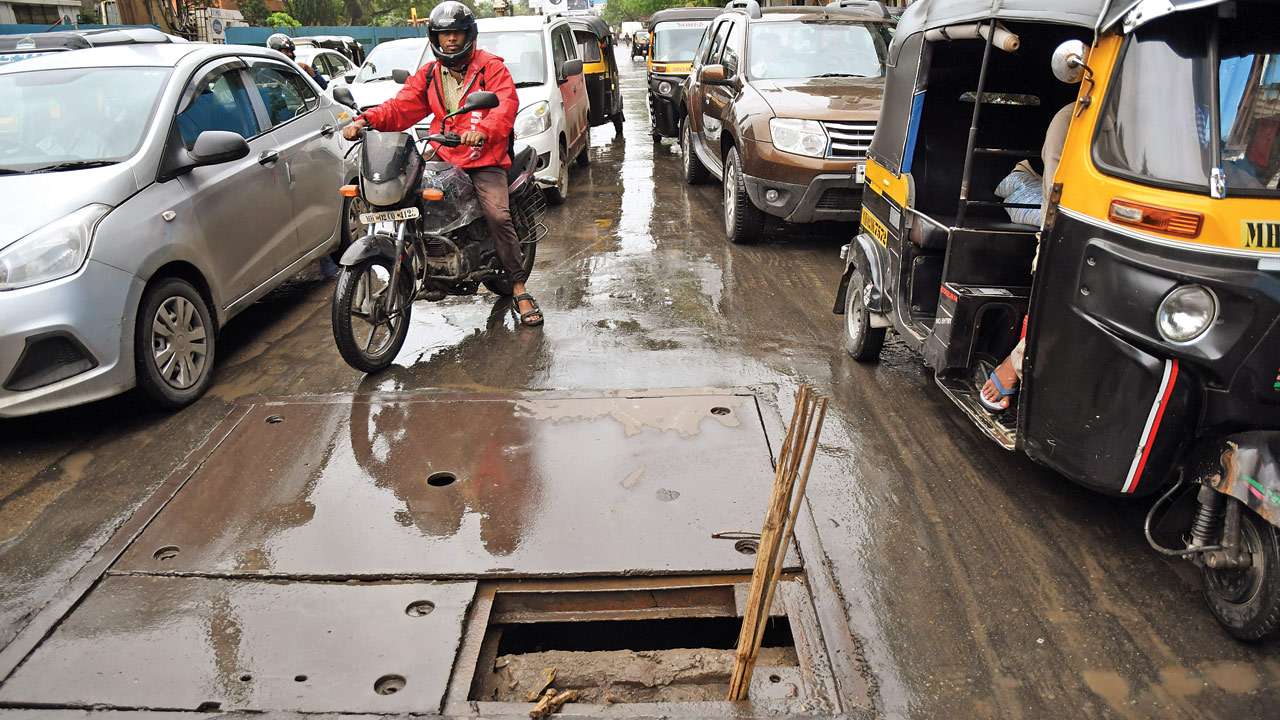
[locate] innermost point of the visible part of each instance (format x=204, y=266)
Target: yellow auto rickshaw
x=1139, y=283
x=600, y=68
x=677, y=33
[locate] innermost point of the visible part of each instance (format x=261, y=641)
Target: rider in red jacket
x=439, y=88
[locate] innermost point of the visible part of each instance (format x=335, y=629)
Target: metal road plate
x=505, y=486
x=186, y=643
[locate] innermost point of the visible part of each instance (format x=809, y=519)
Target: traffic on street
x=455, y=376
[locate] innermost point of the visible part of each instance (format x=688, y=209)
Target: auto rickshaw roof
x=929, y=14
x=685, y=13
x=592, y=23
x=1144, y=11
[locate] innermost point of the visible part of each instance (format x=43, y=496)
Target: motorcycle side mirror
x=480, y=100
x=344, y=96
x=400, y=76
x=1068, y=62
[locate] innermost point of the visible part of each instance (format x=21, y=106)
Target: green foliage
x=314, y=12
x=617, y=11
x=254, y=12
x=282, y=20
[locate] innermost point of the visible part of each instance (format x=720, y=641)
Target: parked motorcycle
x=427, y=237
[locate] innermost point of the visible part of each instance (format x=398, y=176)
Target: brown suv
x=781, y=106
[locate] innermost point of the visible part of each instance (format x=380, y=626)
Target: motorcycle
x=427, y=237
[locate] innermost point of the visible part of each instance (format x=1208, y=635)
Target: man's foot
x=1000, y=386
x=530, y=313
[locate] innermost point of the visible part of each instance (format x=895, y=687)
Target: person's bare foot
x=1004, y=372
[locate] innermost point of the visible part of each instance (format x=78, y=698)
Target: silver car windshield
x=522, y=52
x=67, y=119
x=793, y=50
x=386, y=58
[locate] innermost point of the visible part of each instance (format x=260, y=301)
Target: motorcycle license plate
x=862, y=172
x=389, y=216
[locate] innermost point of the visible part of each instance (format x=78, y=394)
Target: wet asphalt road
x=976, y=583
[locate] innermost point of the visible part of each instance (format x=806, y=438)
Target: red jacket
x=415, y=101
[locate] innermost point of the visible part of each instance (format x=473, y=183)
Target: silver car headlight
x=802, y=137
x=1186, y=313
x=54, y=251
x=533, y=120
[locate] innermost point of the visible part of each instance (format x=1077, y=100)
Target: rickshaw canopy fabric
x=685, y=13
x=591, y=23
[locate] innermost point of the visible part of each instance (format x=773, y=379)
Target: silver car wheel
x=730, y=196
x=179, y=343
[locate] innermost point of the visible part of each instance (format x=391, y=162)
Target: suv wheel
x=742, y=219
x=695, y=173
x=173, y=343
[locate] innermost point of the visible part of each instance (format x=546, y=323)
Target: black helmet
x=452, y=15
x=281, y=43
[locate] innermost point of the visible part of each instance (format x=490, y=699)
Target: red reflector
x=1165, y=220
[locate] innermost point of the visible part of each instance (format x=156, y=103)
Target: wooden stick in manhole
x=789, y=483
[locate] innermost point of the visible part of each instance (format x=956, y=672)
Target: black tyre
x=657, y=136
x=1247, y=601
x=617, y=123
x=743, y=221
x=861, y=341
x=695, y=173
x=369, y=337
x=173, y=343
x=352, y=229
x=558, y=194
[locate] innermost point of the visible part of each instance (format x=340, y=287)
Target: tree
x=254, y=12
x=313, y=12
x=282, y=20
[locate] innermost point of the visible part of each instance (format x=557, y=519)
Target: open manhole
x=682, y=640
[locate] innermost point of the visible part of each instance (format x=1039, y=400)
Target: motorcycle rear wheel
x=359, y=306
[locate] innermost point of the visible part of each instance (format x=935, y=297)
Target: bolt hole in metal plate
x=389, y=685
x=660, y=475
x=720, y=410
x=167, y=553
x=274, y=419
x=441, y=479
x=420, y=608
x=178, y=642
x=747, y=547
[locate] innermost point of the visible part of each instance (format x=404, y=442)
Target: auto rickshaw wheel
x=1247, y=601
x=861, y=341
x=617, y=123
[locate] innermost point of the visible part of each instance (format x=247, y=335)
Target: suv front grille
x=849, y=139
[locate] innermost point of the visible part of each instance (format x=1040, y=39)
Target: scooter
x=427, y=237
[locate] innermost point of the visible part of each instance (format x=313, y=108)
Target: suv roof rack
x=751, y=7
x=873, y=7
x=81, y=39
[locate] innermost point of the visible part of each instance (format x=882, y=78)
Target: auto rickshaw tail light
x=349, y=191
x=432, y=194
x=1165, y=220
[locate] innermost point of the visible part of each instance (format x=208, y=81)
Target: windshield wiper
x=11, y=171
x=829, y=75
x=74, y=165
x=528, y=83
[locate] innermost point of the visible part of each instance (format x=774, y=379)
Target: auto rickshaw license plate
x=862, y=173
x=410, y=213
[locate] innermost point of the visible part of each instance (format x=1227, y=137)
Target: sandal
x=1000, y=388
x=535, y=312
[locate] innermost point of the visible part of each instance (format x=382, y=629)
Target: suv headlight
x=802, y=137
x=54, y=251
x=533, y=120
x=1186, y=313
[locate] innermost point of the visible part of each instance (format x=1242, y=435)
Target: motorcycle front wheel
x=368, y=336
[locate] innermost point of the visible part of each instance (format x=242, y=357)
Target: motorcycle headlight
x=533, y=120
x=54, y=251
x=802, y=137
x=1186, y=313
x=665, y=88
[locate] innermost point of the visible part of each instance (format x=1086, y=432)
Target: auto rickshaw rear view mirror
x=1165, y=220
x=1068, y=62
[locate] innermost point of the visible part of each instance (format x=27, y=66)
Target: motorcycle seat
x=522, y=160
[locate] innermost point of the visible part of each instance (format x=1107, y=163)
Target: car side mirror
x=569, y=68
x=713, y=75
x=400, y=76
x=480, y=100
x=349, y=78
x=1068, y=61
x=214, y=147
x=344, y=96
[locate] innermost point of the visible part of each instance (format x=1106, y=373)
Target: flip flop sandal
x=524, y=316
x=1000, y=388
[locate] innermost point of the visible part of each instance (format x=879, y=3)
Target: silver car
x=152, y=192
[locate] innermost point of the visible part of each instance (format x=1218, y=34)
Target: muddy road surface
x=973, y=583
